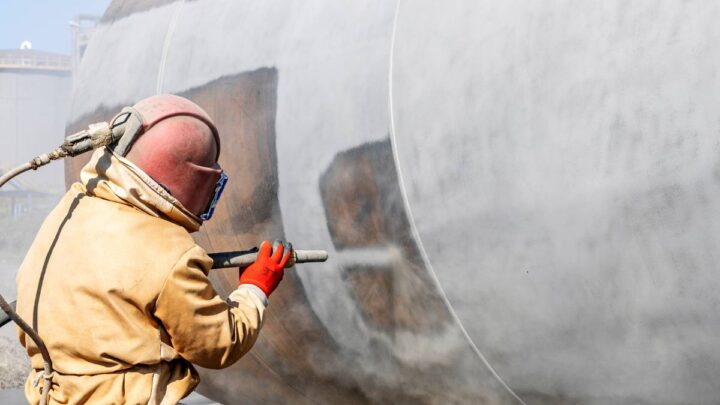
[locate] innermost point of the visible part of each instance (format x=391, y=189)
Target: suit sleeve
x=203, y=328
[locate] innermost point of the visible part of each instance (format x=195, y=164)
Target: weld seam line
x=413, y=227
x=166, y=47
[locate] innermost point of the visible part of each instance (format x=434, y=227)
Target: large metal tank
x=521, y=199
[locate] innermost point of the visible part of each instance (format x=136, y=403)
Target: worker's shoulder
x=117, y=248
x=125, y=234
x=143, y=232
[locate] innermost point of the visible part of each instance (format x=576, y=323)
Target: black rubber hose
x=10, y=311
x=4, y=317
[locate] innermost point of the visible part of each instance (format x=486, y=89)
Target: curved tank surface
x=521, y=199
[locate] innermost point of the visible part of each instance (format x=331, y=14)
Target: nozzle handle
x=244, y=258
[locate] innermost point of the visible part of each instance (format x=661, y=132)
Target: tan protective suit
x=118, y=290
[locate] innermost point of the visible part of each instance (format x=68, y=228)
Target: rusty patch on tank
x=364, y=209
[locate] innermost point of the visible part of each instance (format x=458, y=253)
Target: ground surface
x=14, y=364
x=12, y=396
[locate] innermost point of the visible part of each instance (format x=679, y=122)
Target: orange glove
x=269, y=267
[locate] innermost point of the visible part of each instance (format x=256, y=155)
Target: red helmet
x=178, y=146
x=158, y=108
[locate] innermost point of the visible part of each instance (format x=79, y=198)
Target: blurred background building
x=34, y=96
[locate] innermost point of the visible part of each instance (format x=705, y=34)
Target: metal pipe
x=244, y=258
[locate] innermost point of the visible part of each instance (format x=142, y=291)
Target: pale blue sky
x=42, y=22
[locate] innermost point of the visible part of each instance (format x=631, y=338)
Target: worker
x=115, y=284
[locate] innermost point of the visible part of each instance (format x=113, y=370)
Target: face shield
x=219, y=187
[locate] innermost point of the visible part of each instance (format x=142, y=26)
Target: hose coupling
x=96, y=136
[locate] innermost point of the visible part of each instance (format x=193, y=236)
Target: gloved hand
x=268, y=269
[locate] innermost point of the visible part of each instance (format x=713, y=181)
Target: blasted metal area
x=520, y=198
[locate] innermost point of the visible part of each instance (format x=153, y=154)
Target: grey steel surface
x=553, y=165
x=570, y=172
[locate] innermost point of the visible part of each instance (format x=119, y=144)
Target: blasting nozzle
x=245, y=258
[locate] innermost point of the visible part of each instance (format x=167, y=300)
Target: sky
x=45, y=23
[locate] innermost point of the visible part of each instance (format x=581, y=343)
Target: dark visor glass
x=219, y=187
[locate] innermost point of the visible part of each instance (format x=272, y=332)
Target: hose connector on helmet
x=126, y=127
x=96, y=136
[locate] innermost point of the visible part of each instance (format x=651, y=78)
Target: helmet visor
x=219, y=187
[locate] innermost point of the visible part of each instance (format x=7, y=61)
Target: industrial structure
x=81, y=27
x=34, y=100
